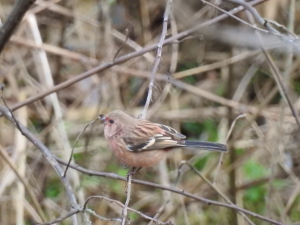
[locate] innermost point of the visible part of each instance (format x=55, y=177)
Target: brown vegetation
x=211, y=75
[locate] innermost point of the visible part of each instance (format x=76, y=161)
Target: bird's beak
x=102, y=118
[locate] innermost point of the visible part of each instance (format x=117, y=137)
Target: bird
x=140, y=143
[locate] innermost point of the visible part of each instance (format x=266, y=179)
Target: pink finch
x=141, y=143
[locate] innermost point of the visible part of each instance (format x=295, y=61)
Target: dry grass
x=203, y=82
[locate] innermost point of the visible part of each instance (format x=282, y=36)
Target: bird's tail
x=210, y=146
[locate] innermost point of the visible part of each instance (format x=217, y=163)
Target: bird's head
x=115, y=120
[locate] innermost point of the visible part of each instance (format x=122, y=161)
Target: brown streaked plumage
x=141, y=143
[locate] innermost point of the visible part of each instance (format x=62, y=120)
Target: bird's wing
x=151, y=136
x=171, y=132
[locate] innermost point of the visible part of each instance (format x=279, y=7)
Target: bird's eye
x=111, y=121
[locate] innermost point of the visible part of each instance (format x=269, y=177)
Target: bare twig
x=157, y=59
x=263, y=22
x=149, y=96
x=122, y=205
x=162, y=167
x=275, y=71
x=123, y=44
x=174, y=190
x=158, y=56
x=14, y=18
x=271, y=63
x=216, y=65
x=79, y=210
x=128, y=194
x=71, y=155
x=12, y=165
x=227, y=138
x=101, y=217
x=61, y=218
x=211, y=185
x=233, y=125
x=53, y=50
x=292, y=14
x=46, y=152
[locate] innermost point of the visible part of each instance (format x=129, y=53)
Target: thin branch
x=211, y=185
x=152, y=79
x=46, y=152
x=71, y=155
x=216, y=65
x=227, y=138
x=122, y=205
x=123, y=44
x=13, y=20
x=257, y=110
x=128, y=194
x=233, y=125
x=152, y=111
x=270, y=30
x=61, y=218
x=265, y=23
x=190, y=88
x=174, y=190
x=158, y=56
x=54, y=50
x=101, y=217
x=29, y=190
x=149, y=97
x=274, y=69
x=281, y=26
x=277, y=75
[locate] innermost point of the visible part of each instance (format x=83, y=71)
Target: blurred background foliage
x=261, y=171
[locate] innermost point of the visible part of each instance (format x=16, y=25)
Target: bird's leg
x=133, y=171
x=129, y=176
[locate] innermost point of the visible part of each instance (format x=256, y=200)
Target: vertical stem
x=158, y=56
x=128, y=194
x=232, y=153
